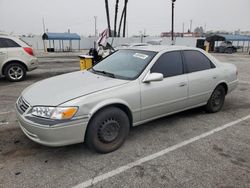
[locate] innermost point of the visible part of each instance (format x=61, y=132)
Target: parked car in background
x=16, y=58
x=226, y=47
x=124, y=46
x=128, y=88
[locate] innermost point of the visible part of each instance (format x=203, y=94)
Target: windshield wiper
x=104, y=72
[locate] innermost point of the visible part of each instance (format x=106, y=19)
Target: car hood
x=60, y=89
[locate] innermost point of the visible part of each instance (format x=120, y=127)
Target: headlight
x=60, y=113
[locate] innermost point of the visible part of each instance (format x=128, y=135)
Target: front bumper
x=62, y=134
x=232, y=85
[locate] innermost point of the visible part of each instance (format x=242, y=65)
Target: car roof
x=7, y=36
x=16, y=39
x=159, y=48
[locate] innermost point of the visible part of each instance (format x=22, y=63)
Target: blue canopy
x=61, y=36
x=222, y=37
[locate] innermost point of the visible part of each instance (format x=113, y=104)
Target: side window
x=2, y=43
x=8, y=43
x=196, y=61
x=169, y=64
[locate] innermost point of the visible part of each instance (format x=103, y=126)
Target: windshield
x=124, y=64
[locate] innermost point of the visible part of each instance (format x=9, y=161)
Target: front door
x=169, y=95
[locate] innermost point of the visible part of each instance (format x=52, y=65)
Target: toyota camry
x=128, y=88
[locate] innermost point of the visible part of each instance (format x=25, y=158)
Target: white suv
x=16, y=58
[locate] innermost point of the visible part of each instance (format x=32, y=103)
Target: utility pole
x=44, y=44
x=183, y=29
x=127, y=29
x=172, y=31
x=95, y=17
x=43, y=26
x=191, y=22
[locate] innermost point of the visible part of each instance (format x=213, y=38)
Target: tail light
x=28, y=50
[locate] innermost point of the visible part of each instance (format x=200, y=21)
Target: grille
x=22, y=105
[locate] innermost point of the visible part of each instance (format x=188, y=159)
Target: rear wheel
x=216, y=100
x=15, y=72
x=107, y=130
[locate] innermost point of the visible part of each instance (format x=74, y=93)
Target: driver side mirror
x=153, y=77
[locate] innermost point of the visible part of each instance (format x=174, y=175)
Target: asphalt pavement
x=181, y=150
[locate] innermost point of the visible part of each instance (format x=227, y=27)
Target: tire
x=15, y=72
x=229, y=50
x=216, y=100
x=107, y=130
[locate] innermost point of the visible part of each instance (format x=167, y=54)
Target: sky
x=152, y=16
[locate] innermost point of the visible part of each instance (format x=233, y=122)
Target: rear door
x=170, y=94
x=202, y=76
x=3, y=53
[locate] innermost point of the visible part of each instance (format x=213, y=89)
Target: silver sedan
x=128, y=88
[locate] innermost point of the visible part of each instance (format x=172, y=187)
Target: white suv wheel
x=15, y=72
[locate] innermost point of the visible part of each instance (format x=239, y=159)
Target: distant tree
x=107, y=13
x=199, y=30
x=120, y=24
x=125, y=17
x=116, y=13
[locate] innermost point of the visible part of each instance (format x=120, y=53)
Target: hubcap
x=108, y=131
x=216, y=99
x=15, y=73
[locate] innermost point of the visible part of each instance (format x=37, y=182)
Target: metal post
x=70, y=46
x=95, y=17
x=59, y=45
x=248, y=46
x=172, y=31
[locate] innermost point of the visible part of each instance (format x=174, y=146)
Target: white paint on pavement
x=7, y=112
x=244, y=82
x=4, y=123
x=128, y=166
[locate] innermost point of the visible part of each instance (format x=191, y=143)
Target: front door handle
x=1, y=53
x=182, y=84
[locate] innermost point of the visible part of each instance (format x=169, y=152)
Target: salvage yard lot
x=221, y=159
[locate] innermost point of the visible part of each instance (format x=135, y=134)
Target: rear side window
x=8, y=43
x=169, y=64
x=196, y=61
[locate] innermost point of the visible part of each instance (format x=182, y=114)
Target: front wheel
x=15, y=72
x=216, y=100
x=107, y=130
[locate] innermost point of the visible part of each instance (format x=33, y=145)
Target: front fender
x=106, y=103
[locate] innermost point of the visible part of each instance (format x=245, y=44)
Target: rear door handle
x=214, y=77
x=1, y=53
x=182, y=84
